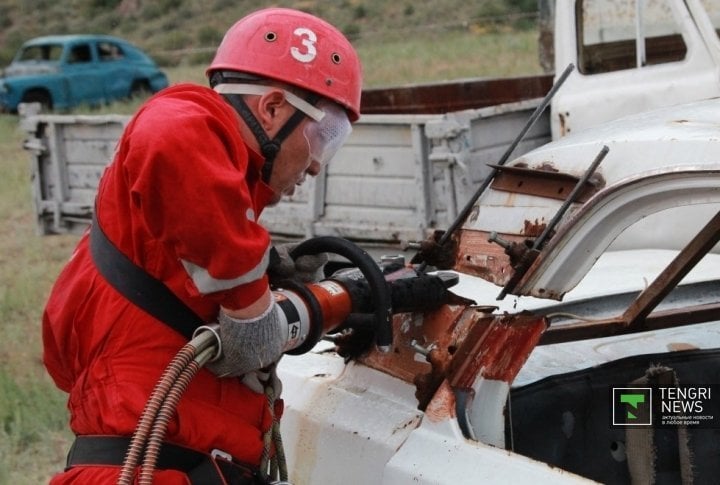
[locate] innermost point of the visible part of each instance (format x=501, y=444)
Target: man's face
x=309, y=147
x=292, y=164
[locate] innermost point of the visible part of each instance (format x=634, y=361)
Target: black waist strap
x=200, y=468
x=135, y=284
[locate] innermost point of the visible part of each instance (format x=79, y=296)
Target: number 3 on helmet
x=296, y=48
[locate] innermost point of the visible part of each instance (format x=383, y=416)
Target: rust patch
x=445, y=97
x=474, y=213
x=479, y=257
x=436, y=328
x=547, y=167
x=533, y=228
x=442, y=405
x=431, y=252
x=413, y=422
x=678, y=346
x=496, y=348
x=436, y=337
x=563, y=126
x=543, y=181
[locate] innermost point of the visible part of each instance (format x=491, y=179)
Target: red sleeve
x=186, y=168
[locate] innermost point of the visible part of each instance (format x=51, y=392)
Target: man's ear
x=273, y=110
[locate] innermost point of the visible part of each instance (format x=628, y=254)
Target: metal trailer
x=397, y=176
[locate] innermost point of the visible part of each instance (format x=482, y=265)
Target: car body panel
x=363, y=423
x=440, y=407
x=662, y=170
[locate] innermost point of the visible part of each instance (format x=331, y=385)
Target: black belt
x=200, y=468
x=138, y=286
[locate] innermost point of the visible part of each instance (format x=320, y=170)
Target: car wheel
x=38, y=96
x=140, y=89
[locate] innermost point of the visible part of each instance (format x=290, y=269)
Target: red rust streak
x=496, y=349
x=442, y=405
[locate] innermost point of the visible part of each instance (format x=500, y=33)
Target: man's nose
x=314, y=168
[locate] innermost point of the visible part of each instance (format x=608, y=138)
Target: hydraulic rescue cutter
x=355, y=304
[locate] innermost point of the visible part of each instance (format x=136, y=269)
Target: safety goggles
x=326, y=130
x=327, y=135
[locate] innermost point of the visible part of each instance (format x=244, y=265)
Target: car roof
x=69, y=38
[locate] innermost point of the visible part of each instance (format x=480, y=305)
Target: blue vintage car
x=63, y=71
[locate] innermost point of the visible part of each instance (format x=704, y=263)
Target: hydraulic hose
x=370, y=270
x=167, y=411
x=187, y=356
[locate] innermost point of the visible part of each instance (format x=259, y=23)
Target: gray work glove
x=258, y=380
x=306, y=269
x=248, y=345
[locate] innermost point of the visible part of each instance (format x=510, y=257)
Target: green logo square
x=631, y=406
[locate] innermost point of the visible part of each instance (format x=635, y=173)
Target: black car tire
x=38, y=96
x=140, y=89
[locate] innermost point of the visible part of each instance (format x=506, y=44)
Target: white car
x=614, y=384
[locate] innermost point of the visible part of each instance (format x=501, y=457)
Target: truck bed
x=411, y=163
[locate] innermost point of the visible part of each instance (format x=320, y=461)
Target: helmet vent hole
x=335, y=58
x=271, y=36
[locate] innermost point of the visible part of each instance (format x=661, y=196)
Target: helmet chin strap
x=269, y=148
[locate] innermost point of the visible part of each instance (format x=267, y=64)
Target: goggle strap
x=303, y=105
x=285, y=131
x=295, y=119
x=269, y=148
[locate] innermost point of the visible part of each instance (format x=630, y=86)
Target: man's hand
x=249, y=345
x=306, y=269
x=260, y=379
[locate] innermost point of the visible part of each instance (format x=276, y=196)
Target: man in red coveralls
x=193, y=171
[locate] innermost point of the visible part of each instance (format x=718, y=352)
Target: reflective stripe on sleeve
x=207, y=284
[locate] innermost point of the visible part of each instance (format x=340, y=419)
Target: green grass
x=454, y=55
x=166, y=28
x=430, y=58
x=34, y=437
x=33, y=429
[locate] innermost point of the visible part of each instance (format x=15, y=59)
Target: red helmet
x=296, y=48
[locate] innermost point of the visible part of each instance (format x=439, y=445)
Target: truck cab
x=632, y=56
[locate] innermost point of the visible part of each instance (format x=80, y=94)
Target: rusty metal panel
x=544, y=182
x=424, y=345
x=477, y=256
x=457, y=343
x=443, y=98
x=496, y=349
